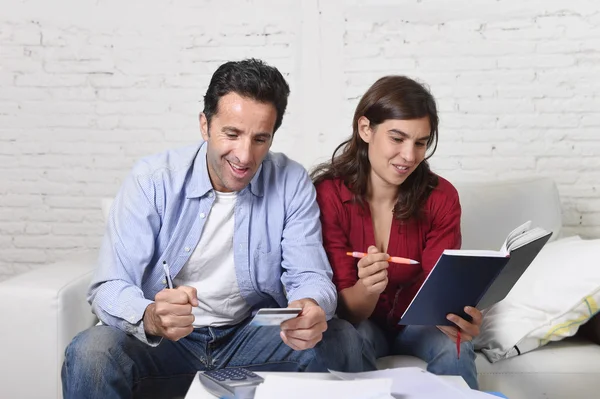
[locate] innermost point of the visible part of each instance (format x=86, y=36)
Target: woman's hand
x=468, y=331
x=372, y=271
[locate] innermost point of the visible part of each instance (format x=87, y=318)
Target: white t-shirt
x=211, y=270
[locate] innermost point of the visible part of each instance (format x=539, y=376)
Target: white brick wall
x=87, y=87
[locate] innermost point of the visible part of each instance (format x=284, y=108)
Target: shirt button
x=164, y=281
x=210, y=195
x=187, y=249
x=202, y=215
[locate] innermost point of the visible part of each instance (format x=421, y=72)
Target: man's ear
x=364, y=129
x=204, y=126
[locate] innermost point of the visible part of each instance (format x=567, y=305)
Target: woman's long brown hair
x=391, y=97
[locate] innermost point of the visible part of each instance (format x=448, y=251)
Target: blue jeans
x=104, y=362
x=425, y=342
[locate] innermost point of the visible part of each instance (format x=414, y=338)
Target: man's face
x=239, y=137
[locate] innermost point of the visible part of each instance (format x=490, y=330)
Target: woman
x=378, y=195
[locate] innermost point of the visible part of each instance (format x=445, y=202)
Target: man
x=237, y=227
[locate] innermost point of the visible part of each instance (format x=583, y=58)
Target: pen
x=167, y=274
x=394, y=259
x=458, y=344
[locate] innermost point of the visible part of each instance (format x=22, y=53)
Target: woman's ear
x=364, y=129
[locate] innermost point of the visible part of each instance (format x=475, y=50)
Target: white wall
x=87, y=87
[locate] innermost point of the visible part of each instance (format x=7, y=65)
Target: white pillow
x=559, y=292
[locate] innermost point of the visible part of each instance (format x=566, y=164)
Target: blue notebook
x=474, y=278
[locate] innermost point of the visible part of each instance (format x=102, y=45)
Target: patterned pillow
x=558, y=293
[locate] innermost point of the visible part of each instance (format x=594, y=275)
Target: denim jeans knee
x=94, y=357
x=435, y=348
x=342, y=348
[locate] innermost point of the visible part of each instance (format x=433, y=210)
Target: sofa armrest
x=41, y=311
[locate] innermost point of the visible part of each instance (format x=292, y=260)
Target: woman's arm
x=358, y=302
x=358, y=287
x=445, y=234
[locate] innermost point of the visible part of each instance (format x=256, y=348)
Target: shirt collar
x=199, y=184
x=257, y=184
x=345, y=194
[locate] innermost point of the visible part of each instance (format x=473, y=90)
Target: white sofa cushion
x=43, y=310
x=491, y=210
x=566, y=369
x=559, y=292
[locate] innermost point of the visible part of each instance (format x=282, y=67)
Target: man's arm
x=307, y=273
x=127, y=249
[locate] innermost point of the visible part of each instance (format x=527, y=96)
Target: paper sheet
x=277, y=387
x=416, y=383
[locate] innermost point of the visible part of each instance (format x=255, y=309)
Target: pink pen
x=393, y=259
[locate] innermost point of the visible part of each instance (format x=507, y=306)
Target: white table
x=197, y=391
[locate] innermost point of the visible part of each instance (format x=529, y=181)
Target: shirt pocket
x=267, y=271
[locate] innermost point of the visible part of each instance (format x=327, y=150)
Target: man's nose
x=244, y=152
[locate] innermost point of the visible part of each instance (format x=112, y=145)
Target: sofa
x=43, y=309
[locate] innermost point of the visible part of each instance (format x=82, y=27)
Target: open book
x=478, y=278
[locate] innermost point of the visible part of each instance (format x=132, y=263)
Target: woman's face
x=396, y=148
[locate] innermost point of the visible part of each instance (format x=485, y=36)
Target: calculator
x=230, y=383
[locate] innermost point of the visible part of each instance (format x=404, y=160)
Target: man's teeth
x=236, y=167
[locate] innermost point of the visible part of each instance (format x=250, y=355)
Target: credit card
x=274, y=316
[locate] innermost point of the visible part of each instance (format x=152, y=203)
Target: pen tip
x=349, y=253
x=414, y=262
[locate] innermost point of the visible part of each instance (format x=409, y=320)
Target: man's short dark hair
x=249, y=78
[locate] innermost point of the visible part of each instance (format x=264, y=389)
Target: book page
x=526, y=237
x=474, y=252
x=513, y=235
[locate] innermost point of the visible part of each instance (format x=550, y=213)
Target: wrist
x=302, y=302
x=366, y=292
x=149, y=325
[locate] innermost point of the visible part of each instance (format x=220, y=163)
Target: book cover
x=473, y=278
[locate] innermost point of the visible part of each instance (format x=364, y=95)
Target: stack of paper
x=398, y=383
x=277, y=387
x=416, y=383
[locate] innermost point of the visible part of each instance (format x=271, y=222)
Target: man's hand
x=170, y=316
x=306, y=330
x=372, y=271
x=468, y=331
